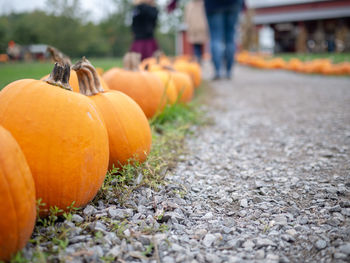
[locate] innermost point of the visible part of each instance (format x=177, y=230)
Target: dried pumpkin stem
x=131, y=61
x=89, y=82
x=58, y=56
x=60, y=76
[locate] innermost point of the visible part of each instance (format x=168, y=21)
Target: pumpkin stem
x=58, y=56
x=89, y=82
x=131, y=61
x=60, y=76
x=157, y=55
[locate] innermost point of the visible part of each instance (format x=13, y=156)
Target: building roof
x=271, y=3
x=301, y=11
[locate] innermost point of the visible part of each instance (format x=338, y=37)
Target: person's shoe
x=216, y=77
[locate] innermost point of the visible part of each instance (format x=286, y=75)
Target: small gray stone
x=77, y=218
x=97, y=226
x=200, y=233
x=115, y=251
x=288, y=238
x=264, y=242
x=168, y=259
x=208, y=216
x=345, y=212
x=89, y=210
x=345, y=248
x=303, y=220
x=96, y=250
x=345, y=204
x=333, y=222
x=212, y=258
x=176, y=247
x=260, y=254
x=320, y=244
x=116, y=213
x=195, y=189
x=208, y=240
x=291, y=232
x=78, y=239
x=281, y=220
x=227, y=230
x=336, y=208
x=249, y=244
x=111, y=238
x=338, y=255
x=272, y=257
x=243, y=203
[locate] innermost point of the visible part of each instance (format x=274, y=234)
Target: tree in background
x=64, y=25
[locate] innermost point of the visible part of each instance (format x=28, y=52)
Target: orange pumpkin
x=294, y=64
x=191, y=68
x=276, y=63
x=169, y=85
x=17, y=197
x=183, y=84
x=170, y=77
x=128, y=128
x=62, y=135
x=143, y=87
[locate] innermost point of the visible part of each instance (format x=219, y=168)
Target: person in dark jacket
x=144, y=20
x=222, y=17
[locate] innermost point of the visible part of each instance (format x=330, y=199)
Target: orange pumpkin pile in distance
x=178, y=85
x=317, y=66
x=18, y=206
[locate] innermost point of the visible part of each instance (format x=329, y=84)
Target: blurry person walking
x=222, y=17
x=196, y=27
x=144, y=21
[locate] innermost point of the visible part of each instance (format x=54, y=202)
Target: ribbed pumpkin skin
x=184, y=86
x=128, y=128
x=192, y=69
x=63, y=138
x=143, y=87
x=17, y=197
x=74, y=83
x=169, y=85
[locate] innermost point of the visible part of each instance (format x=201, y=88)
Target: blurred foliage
x=65, y=26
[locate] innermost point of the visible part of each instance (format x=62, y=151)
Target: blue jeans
x=198, y=50
x=222, y=31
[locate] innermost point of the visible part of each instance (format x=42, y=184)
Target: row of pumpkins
x=317, y=66
x=57, y=145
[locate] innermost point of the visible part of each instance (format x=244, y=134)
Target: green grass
x=12, y=71
x=334, y=57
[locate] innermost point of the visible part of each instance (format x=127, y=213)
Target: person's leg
x=216, y=30
x=197, y=50
x=230, y=20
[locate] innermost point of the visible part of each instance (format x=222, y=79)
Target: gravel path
x=268, y=182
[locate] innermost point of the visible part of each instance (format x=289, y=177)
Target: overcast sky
x=99, y=8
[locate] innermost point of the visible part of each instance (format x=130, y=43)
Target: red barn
x=305, y=25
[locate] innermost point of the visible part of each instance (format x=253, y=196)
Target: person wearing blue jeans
x=222, y=17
